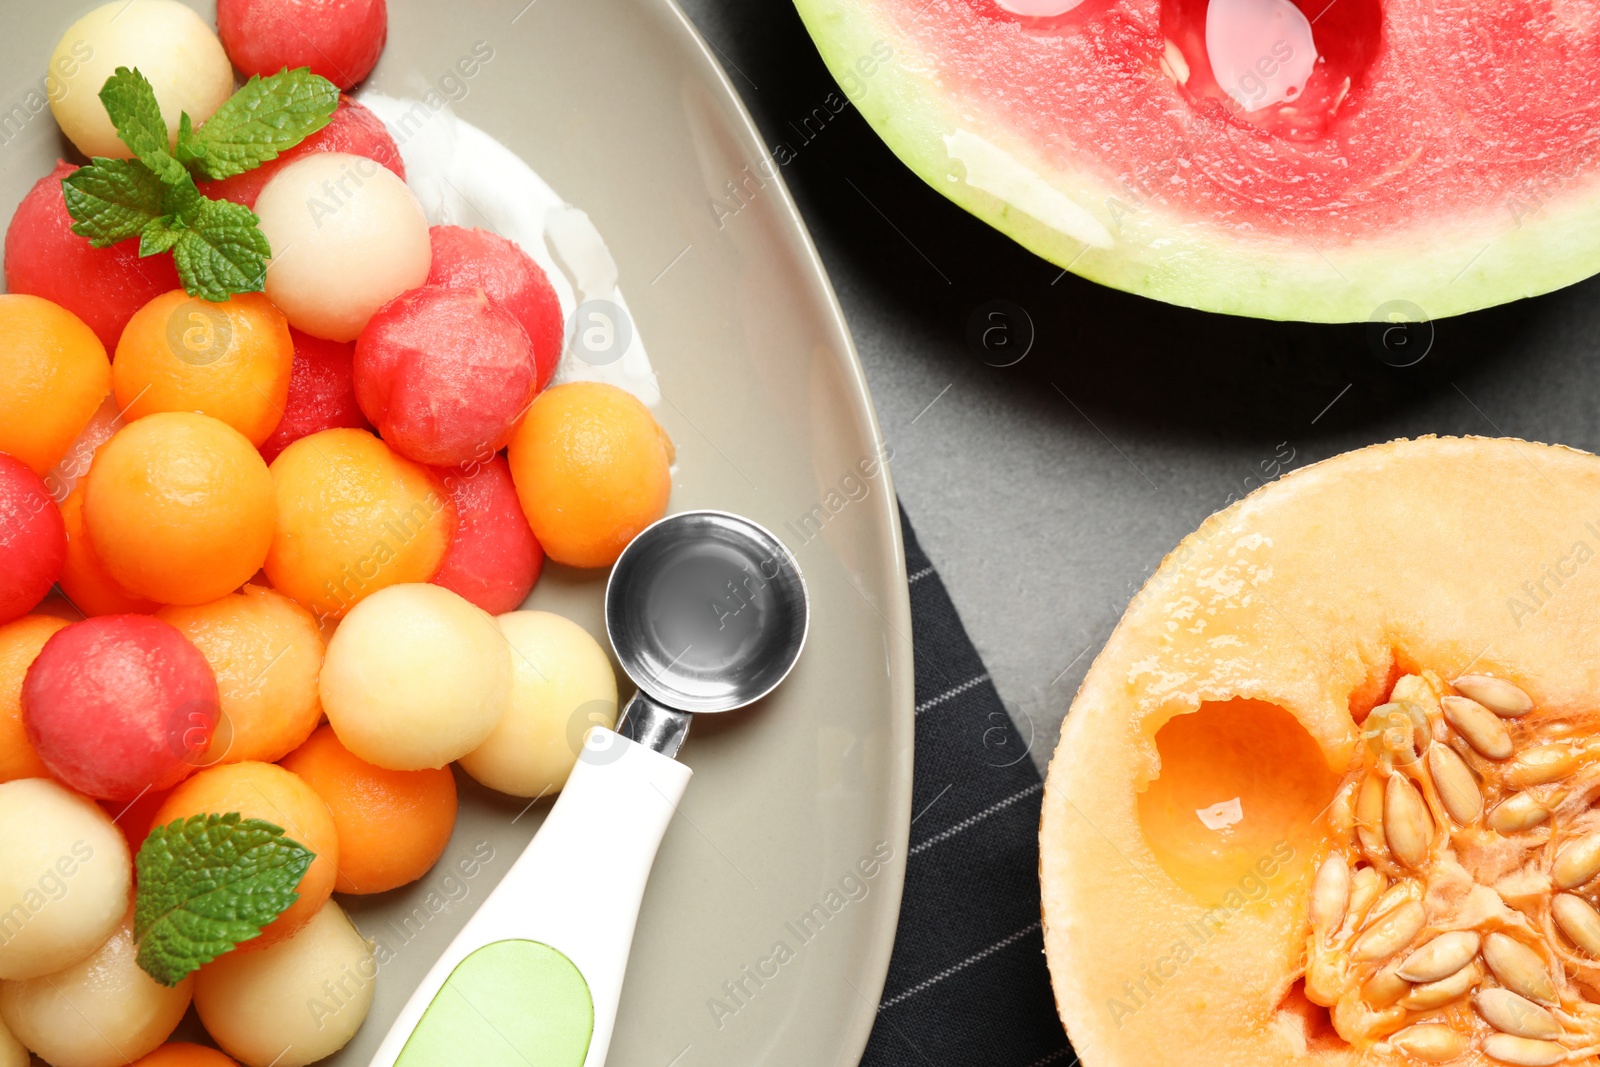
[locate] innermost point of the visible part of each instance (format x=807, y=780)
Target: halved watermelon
x=1339, y=160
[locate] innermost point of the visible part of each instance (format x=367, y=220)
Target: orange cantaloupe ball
x=266, y=652
x=592, y=469
x=184, y=1054
x=230, y=360
x=353, y=517
x=20, y=642
x=393, y=825
x=267, y=792
x=56, y=374
x=179, y=507
x=84, y=580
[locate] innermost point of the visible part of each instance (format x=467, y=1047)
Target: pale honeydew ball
x=13, y=1053
x=415, y=676
x=101, y=1012
x=561, y=684
x=347, y=237
x=164, y=40
x=294, y=1002
x=65, y=877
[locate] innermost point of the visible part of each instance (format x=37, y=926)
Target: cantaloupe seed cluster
x=1456, y=907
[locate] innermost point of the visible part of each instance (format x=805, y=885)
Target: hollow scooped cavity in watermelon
x=1445, y=153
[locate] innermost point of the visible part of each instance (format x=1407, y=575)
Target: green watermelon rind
x=1430, y=269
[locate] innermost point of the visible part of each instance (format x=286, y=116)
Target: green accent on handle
x=509, y=1004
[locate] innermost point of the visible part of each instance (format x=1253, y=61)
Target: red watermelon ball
x=33, y=539
x=499, y=267
x=322, y=393
x=119, y=704
x=338, y=39
x=445, y=374
x=102, y=286
x=353, y=130
x=493, y=559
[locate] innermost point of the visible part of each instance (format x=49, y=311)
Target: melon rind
x=1438, y=266
x=1295, y=595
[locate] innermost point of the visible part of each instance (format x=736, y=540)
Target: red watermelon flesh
x=1427, y=132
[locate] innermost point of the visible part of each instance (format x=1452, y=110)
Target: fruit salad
x=282, y=457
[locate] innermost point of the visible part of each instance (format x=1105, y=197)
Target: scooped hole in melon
x=1288, y=67
x=1238, y=797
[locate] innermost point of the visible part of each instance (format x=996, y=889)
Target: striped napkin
x=967, y=983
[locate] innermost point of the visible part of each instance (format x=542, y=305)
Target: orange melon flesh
x=1189, y=797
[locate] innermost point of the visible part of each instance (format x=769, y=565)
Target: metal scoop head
x=707, y=612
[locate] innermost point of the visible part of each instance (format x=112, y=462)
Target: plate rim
x=897, y=612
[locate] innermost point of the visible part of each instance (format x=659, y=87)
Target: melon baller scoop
x=707, y=612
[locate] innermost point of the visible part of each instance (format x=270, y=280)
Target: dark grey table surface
x=1046, y=491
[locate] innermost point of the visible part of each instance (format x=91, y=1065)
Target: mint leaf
x=219, y=250
x=265, y=117
x=206, y=884
x=112, y=200
x=181, y=201
x=186, y=149
x=157, y=238
x=134, y=111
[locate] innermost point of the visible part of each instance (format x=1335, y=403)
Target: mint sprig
x=131, y=102
x=206, y=884
x=219, y=250
x=265, y=117
x=217, y=245
x=113, y=200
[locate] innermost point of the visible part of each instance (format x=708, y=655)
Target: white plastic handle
x=576, y=888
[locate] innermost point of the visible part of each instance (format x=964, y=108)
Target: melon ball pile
x=268, y=555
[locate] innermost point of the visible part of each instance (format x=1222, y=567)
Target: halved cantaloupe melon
x=1328, y=792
